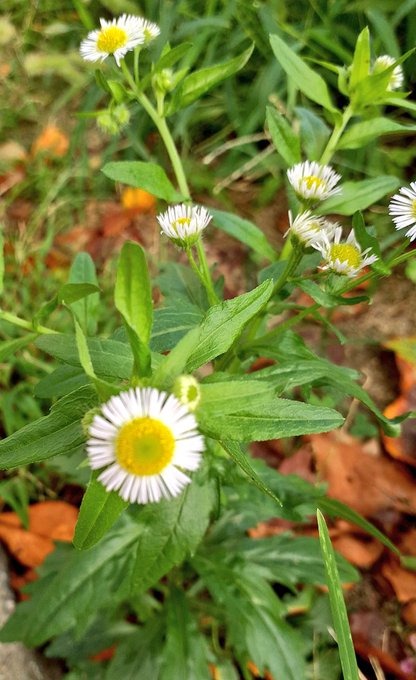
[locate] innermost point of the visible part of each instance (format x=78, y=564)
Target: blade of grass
x=338, y=608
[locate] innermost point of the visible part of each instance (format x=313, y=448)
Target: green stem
x=27, y=325
x=291, y=264
x=212, y=296
x=335, y=136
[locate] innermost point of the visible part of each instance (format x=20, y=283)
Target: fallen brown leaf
x=370, y=484
x=49, y=521
x=361, y=553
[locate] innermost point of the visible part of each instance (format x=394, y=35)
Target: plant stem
x=212, y=296
x=27, y=325
x=335, y=136
x=294, y=258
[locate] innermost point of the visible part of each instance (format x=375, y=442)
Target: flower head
x=312, y=181
x=402, y=209
x=396, y=75
x=116, y=37
x=344, y=256
x=186, y=389
x=144, y=439
x=150, y=30
x=309, y=228
x=184, y=223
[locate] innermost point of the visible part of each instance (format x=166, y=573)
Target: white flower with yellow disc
x=344, y=256
x=116, y=37
x=312, y=181
x=183, y=224
x=402, y=209
x=144, y=439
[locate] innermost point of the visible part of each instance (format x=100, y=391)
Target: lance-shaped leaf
x=359, y=195
x=224, y=323
x=85, y=308
x=303, y=76
x=133, y=299
x=197, y=83
x=244, y=231
x=57, y=433
x=148, y=176
x=360, y=67
x=285, y=140
x=99, y=510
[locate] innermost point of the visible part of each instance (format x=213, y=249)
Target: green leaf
x=170, y=56
x=57, y=433
x=72, y=292
x=244, y=231
x=104, y=389
x=175, y=362
x=272, y=420
x=197, y=83
x=15, y=493
x=285, y=140
x=172, y=323
x=68, y=597
x=338, y=608
x=86, y=309
x=10, y=347
x=224, y=323
x=366, y=240
x=98, y=512
x=61, y=381
x=314, y=133
x=110, y=358
x=186, y=651
x=133, y=299
x=241, y=459
x=148, y=176
x=360, y=67
x=359, y=195
x=139, y=656
x=364, y=132
x=305, y=78
x=326, y=299
x=253, y=614
x=227, y=396
x=171, y=531
x=337, y=509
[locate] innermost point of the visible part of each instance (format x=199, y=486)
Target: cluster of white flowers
x=312, y=183
x=117, y=37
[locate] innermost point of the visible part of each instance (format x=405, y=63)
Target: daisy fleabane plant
x=116, y=37
x=183, y=223
x=144, y=439
x=312, y=181
x=310, y=229
x=344, y=256
x=402, y=209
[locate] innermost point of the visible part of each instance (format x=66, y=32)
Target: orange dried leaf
x=51, y=142
x=49, y=521
x=402, y=580
x=359, y=552
x=137, y=200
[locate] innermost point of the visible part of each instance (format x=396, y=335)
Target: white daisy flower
x=402, y=209
x=396, y=75
x=309, y=228
x=150, y=30
x=312, y=181
x=184, y=223
x=144, y=439
x=116, y=37
x=344, y=257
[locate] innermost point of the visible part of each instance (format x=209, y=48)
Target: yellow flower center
x=313, y=182
x=180, y=222
x=413, y=208
x=345, y=252
x=111, y=39
x=144, y=446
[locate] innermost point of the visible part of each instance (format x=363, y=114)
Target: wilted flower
x=184, y=223
x=402, y=209
x=344, y=257
x=116, y=37
x=396, y=75
x=144, y=439
x=312, y=181
x=309, y=228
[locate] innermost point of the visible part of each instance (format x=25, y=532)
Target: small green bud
x=164, y=81
x=86, y=421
